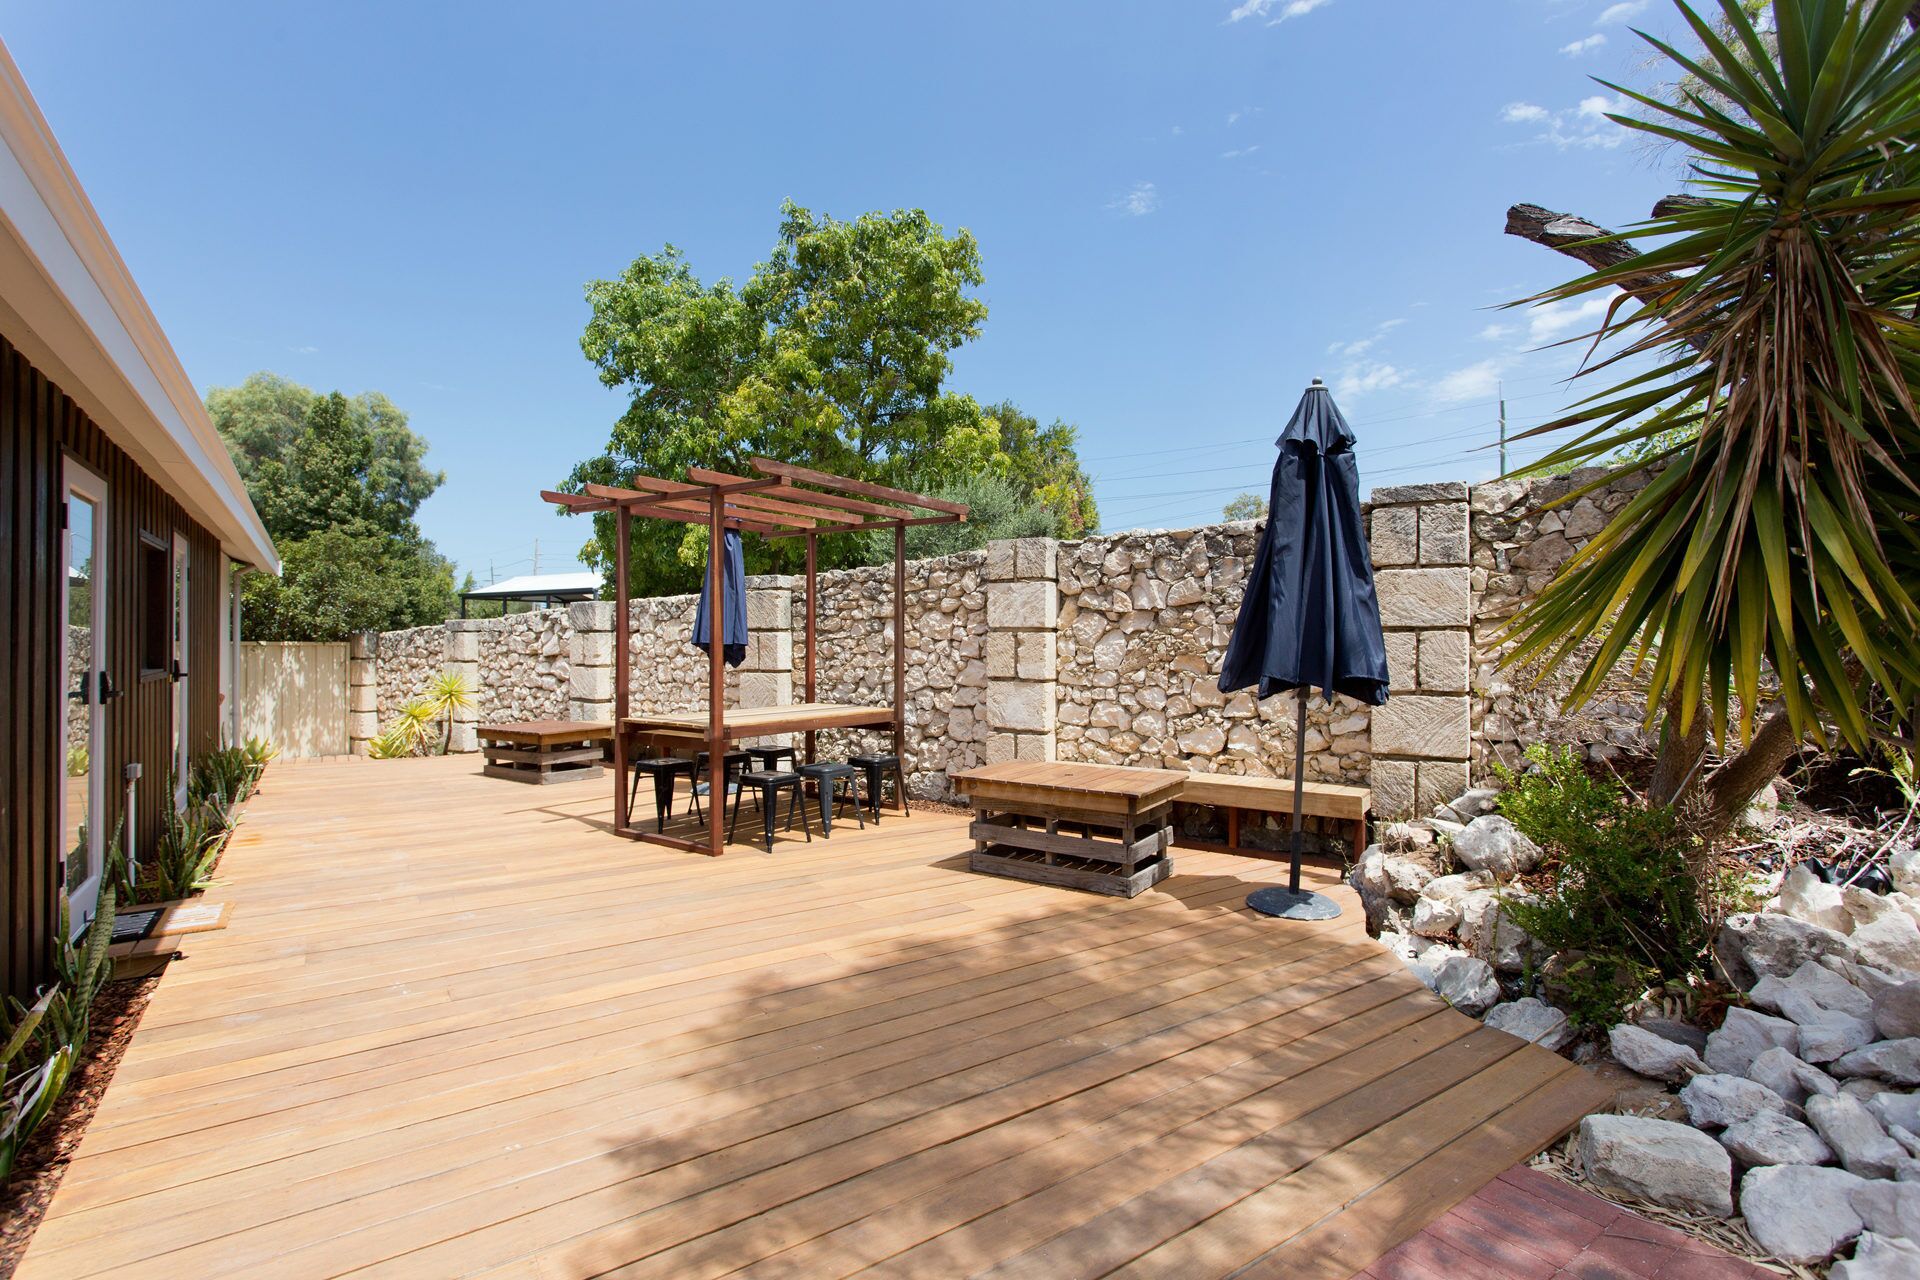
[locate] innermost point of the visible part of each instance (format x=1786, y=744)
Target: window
x=156, y=607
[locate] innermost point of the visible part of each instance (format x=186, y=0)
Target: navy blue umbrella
x=733, y=603
x=1309, y=619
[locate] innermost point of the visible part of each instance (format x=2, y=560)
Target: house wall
x=1106, y=650
x=39, y=427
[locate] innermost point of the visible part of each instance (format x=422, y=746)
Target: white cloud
x=1139, y=200
x=1477, y=381
x=1620, y=12
x=1579, y=47
x=1237, y=152
x=1262, y=8
x=1368, y=375
x=1496, y=331
x=304, y=351
x=1582, y=127
x=1361, y=345
x=1555, y=320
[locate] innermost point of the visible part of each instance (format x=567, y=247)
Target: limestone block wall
x=1520, y=540
x=1105, y=650
x=1142, y=632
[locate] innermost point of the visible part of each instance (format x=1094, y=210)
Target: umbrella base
x=1288, y=905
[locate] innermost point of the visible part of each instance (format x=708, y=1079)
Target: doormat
x=136, y=925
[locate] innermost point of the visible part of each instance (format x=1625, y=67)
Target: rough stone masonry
x=1105, y=649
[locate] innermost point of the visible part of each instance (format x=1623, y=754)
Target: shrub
x=1623, y=907
x=190, y=842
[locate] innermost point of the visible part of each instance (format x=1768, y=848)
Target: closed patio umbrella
x=733, y=603
x=1310, y=619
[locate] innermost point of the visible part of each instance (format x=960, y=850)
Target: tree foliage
x=1245, y=506
x=336, y=482
x=1780, y=524
x=833, y=354
x=997, y=508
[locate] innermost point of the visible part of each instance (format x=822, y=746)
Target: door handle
x=179, y=672
x=107, y=692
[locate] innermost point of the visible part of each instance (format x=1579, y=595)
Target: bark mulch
x=37, y=1174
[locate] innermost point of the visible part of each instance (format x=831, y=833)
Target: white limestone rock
x=1897, y=1061
x=1744, y=1036
x=1803, y=1213
x=1490, y=933
x=1405, y=878
x=1772, y=1137
x=1655, y=1057
x=1895, y=1108
x=1492, y=844
x=1670, y=1164
x=1805, y=897
x=1533, y=1020
x=1809, y=991
x=1889, y=1208
x=1896, y=1010
x=1862, y=1146
x=1883, y=935
x=1792, y=1079
x=1832, y=1036
x=1754, y=944
x=1716, y=1100
x=1874, y=982
x=1463, y=981
x=1878, y=1257
x=1904, y=867
x=1436, y=917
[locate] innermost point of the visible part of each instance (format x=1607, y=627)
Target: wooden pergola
x=780, y=501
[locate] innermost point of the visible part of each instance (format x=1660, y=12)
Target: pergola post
x=900, y=655
x=716, y=675
x=812, y=636
x=623, y=534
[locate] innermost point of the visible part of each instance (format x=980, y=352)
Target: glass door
x=84, y=611
x=181, y=565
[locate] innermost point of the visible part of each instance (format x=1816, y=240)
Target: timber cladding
x=40, y=427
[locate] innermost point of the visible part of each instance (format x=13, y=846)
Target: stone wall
x=1104, y=650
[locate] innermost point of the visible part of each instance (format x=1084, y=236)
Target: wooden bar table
x=1103, y=828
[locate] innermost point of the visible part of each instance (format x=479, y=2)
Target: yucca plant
x=1780, y=524
x=407, y=734
x=190, y=842
x=446, y=693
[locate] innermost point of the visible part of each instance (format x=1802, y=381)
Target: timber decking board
x=452, y=1029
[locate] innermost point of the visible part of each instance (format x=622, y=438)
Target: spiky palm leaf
x=1785, y=527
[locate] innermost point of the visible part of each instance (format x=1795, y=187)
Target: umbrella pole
x=1293, y=902
x=1299, y=788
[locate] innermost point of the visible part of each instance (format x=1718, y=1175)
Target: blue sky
x=1186, y=210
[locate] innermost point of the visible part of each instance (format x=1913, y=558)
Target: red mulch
x=37, y=1174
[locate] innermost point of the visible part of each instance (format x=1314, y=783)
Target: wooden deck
x=457, y=1027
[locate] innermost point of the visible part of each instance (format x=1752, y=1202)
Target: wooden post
x=716, y=675
x=812, y=635
x=899, y=659
x=623, y=533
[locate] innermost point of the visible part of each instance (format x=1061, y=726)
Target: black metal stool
x=877, y=767
x=827, y=777
x=770, y=783
x=663, y=770
x=732, y=765
x=769, y=758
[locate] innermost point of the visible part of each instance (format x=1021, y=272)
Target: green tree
x=1780, y=525
x=833, y=354
x=997, y=508
x=263, y=417
x=336, y=482
x=1044, y=462
x=1245, y=506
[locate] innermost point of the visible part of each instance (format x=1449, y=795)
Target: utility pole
x=1501, y=391
x=536, y=541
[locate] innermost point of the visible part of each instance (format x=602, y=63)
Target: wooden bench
x=1234, y=794
x=542, y=751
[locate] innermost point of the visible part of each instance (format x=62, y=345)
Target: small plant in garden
x=446, y=693
x=190, y=842
x=47, y=1038
x=1622, y=908
x=407, y=734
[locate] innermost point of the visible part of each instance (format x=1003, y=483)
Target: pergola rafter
x=781, y=501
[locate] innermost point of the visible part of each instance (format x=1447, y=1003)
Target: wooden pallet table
x=1105, y=829
x=543, y=751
